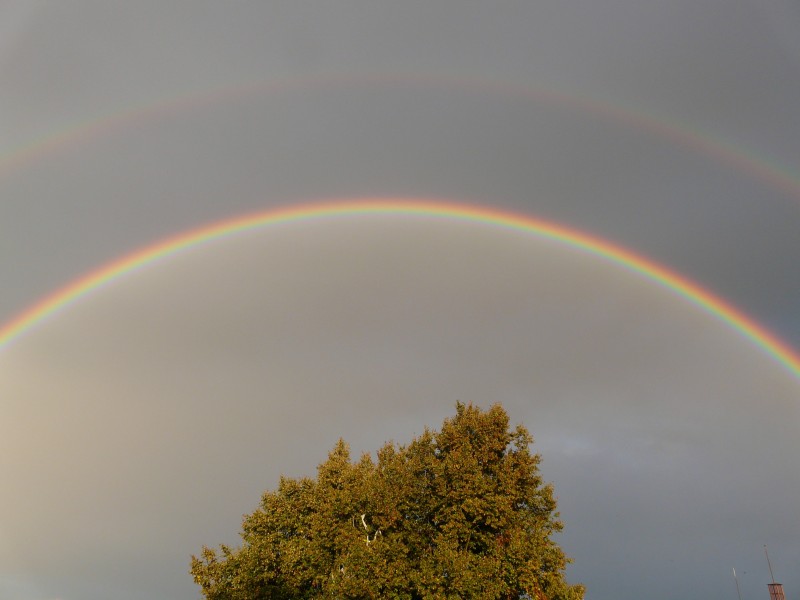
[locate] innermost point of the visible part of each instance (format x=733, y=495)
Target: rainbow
x=767, y=170
x=433, y=209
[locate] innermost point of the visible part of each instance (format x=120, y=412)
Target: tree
x=458, y=513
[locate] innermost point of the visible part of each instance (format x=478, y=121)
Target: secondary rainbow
x=434, y=209
x=768, y=170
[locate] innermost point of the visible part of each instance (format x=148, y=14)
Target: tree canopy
x=457, y=513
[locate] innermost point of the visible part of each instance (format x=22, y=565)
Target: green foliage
x=459, y=513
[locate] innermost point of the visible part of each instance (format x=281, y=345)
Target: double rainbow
x=433, y=209
x=775, y=176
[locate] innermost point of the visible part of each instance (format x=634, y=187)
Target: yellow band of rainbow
x=432, y=208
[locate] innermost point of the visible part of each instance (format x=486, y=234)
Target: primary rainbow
x=645, y=267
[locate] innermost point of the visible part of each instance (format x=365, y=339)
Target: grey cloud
x=172, y=399
x=661, y=428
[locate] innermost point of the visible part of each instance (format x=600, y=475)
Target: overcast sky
x=143, y=421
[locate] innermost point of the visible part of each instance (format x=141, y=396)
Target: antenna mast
x=775, y=589
x=768, y=564
x=737, y=584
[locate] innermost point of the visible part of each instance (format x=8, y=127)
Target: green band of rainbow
x=659, y=274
